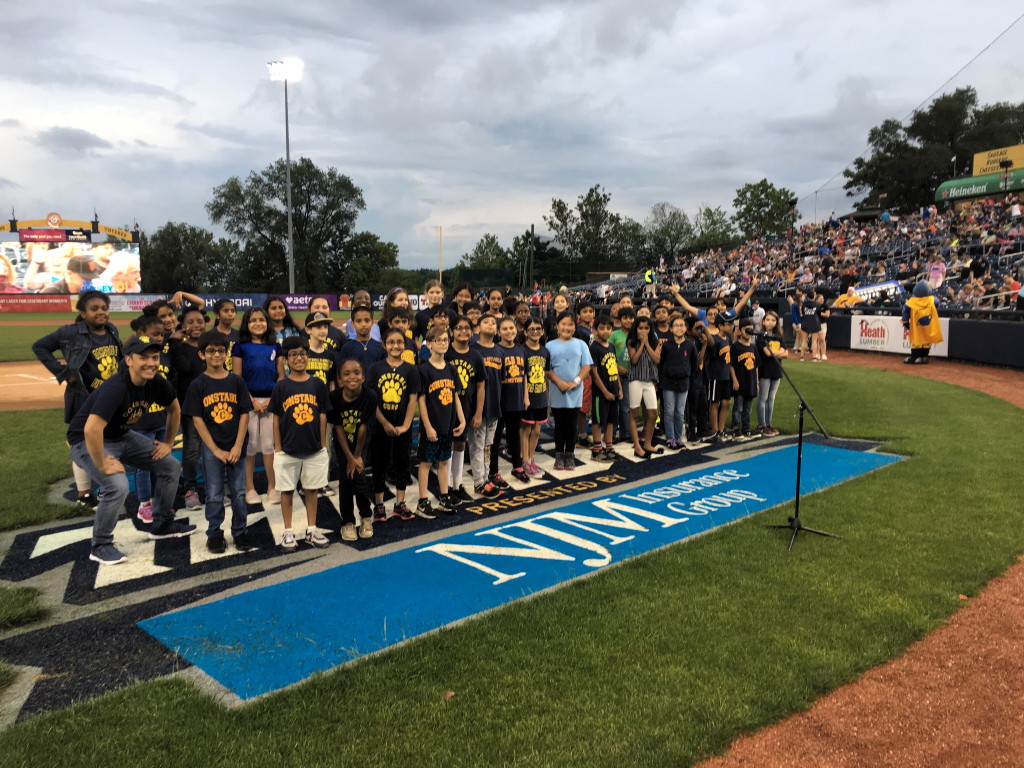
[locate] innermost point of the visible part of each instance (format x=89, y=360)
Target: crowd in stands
x=972, y=256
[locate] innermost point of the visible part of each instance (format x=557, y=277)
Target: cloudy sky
x=466, y=114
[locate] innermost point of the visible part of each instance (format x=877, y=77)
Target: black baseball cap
x=139, y=345
x=317, y=318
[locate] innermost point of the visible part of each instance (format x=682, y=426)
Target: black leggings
x=390, y=453
x=509, y=422
x=565, y=429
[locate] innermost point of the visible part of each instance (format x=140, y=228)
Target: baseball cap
x=317, y=318
x=139, y=345
x=726, y=317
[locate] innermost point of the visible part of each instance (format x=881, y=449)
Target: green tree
x=669, y=232
x=764, y=209
x=712, y=227
x=181, y=256
x=588, y=232
x=325, y=205
x=488, y=254
x=368, y=258
x=905, y=163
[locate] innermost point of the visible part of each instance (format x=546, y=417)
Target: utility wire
x=910, y=114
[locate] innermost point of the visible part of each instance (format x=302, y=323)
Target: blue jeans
x=190, y=450
x=766, y=389
x=217, y=472
x=675, y=408
x=136, y=450
x=741, y=412
x=143, y=477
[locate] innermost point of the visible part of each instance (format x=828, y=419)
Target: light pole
x=285, y=70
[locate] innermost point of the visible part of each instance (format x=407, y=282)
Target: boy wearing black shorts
x=441, y=420
x=743, y=356
x=606, y=389
x=719, y=369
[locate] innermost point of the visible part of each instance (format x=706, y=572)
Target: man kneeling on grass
x=101, y=437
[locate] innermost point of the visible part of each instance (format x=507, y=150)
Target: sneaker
x=380, y=515
x=90, y=500
x=559, y=461
x=597, y=454
x=145, y=513
x=532, y=469
x=772, y=431
x=325, y=492
x=366, y=528
x=316, y=539
x=348, y=532
x=610, y=454
x=584, y=441
x=448, y=504
x=488, y=491
x=402, y=511
x=462, y=494
x=216, y=544
x=752, y=435
x=274, y=496
x=288, y=542
x=498, y=481
x=251, y=497
x=424, y=510
x=709, y=438
x=243, y=543
x=171, y=529
x=192, y=500
x=107, y=554
x=569, y=461
x=824, y=358
x=520, y=475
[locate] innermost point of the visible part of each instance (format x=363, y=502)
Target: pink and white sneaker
x=145, y=513
x=532, y=469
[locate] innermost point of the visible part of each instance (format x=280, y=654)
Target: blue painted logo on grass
x=266, y=639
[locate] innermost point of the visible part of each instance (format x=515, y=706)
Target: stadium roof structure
x=979, y=186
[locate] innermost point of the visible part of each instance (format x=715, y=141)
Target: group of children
x=476, y=377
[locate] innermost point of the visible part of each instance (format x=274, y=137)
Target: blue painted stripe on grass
x=266, y=639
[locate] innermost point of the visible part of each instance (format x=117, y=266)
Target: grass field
x=660, y=661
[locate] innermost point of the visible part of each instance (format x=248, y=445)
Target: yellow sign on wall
x=988, y=162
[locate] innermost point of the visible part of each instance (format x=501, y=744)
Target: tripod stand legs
x=796, y=526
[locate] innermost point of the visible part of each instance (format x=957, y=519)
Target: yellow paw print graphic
x=221, y=412
x=610, y=365
x=391, y=388
x=350, y=423
x=463, y=372
x=514, y=371
x=409, y=357
x=302, y=414
x=107, y=367
x=445, y=396
x=536, y=374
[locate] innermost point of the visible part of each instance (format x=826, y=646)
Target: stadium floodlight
x=282, y=71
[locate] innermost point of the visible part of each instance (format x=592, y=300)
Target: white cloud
x=466, y=115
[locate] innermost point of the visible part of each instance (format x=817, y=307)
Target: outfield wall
x=993, y=342
x=134, y=302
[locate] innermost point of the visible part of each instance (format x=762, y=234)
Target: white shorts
x=313, y=470
x=643, y=392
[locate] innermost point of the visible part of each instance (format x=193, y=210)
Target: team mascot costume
x=921, y=320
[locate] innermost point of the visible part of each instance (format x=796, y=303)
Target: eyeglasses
x=215, y=351
x=298, y=353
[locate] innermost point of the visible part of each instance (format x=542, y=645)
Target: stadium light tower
x=283, y=71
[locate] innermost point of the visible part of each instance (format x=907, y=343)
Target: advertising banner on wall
x=243, y=301
x=887, y=334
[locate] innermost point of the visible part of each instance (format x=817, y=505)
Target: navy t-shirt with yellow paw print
x=220, y=403
x=393, y=387
x=350, y=415
x=299, y=405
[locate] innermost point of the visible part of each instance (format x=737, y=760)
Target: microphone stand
x=794, y=523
